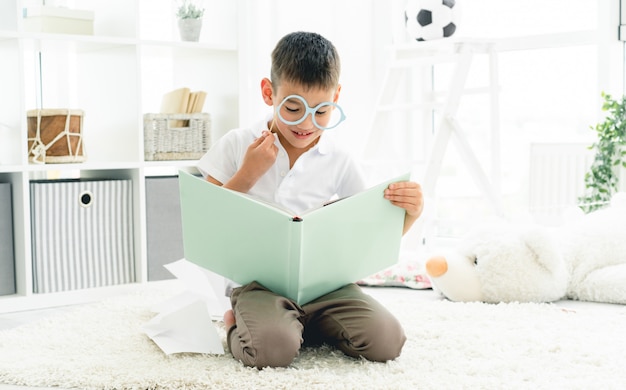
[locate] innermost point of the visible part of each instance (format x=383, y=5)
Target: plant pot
x=190, y=29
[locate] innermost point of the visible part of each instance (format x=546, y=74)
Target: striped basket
x=176, y=136
x=82, y=234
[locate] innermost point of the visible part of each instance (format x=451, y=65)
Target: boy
x=286, y=159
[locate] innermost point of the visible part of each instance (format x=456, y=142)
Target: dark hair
x=305, y=58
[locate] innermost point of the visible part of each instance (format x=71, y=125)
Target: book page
x=349, y=240
x=233, y=235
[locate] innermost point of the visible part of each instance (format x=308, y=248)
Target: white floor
x=11, y=320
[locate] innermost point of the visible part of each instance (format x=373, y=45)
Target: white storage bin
x=82, y=234
x=48, y=19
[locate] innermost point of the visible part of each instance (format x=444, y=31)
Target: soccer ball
x=430, y=19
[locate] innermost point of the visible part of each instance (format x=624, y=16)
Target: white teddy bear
x=583, y=260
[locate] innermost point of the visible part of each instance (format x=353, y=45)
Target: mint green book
x=301, y=257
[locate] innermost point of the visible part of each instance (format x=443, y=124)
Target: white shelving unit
x=115, y=75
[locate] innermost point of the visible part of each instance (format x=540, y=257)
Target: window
x=553, y=59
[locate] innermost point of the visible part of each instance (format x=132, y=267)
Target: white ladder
x=449, y=127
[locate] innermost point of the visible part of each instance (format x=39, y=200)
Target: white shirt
x=322, y=173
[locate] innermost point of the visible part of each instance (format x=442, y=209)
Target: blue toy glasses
x=294, y=109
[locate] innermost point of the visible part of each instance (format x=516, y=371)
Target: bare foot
x=229, y=319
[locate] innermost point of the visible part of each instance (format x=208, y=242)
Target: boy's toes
x=229, y=319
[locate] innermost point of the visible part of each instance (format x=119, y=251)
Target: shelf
x=114, y=76
x=19, y=302
x=87, y=166
x=170, y=169
x=190, y=46
x=7, y=34
x=94, y=42
x=11, y=168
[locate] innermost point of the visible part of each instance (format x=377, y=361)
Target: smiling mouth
x=302, y=133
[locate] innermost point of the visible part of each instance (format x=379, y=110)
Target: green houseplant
x=602, y=178
x=189, y=15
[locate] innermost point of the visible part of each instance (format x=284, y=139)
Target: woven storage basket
x=176, y=136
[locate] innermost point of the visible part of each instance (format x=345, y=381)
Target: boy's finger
x=403, y=188
x=259, y=141
x=267, y=139
x=403, y=184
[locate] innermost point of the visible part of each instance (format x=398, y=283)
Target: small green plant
x=602, y=179
x=188, y=9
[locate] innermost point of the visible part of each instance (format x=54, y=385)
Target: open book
x=301, y=257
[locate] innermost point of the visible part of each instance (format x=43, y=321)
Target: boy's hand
x=408, y=195
x=259, y=157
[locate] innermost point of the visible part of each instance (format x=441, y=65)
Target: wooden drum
x=55, y=136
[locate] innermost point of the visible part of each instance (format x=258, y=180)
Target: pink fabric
x=405, y=274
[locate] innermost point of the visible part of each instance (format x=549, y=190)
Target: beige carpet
x=450, y=346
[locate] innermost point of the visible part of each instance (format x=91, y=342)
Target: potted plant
x=602, y=179
x=189, y=15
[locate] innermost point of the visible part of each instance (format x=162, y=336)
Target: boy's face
x=305, y=134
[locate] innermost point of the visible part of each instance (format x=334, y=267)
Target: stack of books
x=182, y=101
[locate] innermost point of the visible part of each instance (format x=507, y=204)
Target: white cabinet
x=115, y=76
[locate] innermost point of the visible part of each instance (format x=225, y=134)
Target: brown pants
x=270, y=328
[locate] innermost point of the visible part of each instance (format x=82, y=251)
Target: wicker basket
x=176, y=136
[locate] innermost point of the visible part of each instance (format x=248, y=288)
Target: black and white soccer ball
x=426, y=20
